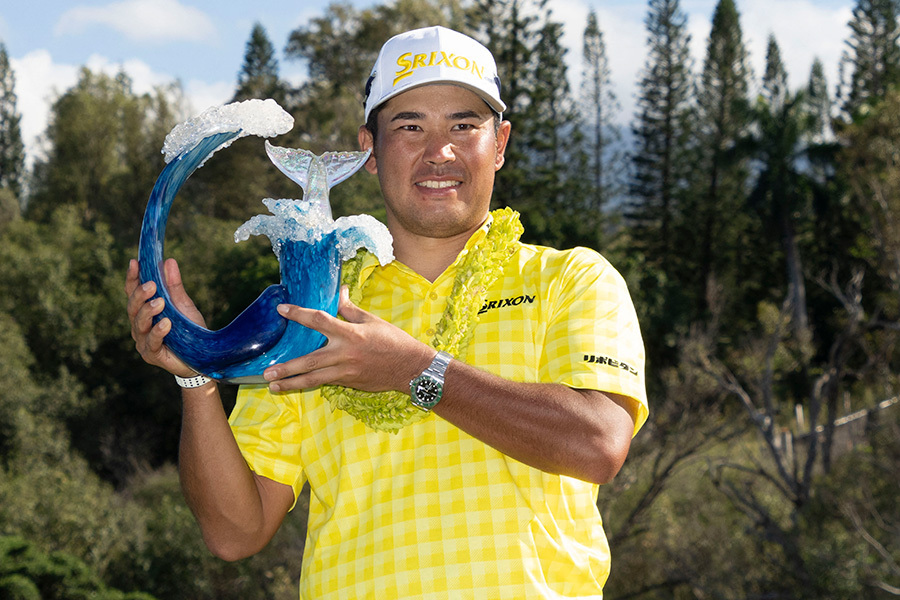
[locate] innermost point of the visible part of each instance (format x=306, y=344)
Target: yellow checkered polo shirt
x=431, y=512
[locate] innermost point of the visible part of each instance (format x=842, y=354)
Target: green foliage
x=104, y=154
x=88, y=433
x=27, y=573
x=870, y=169
x=874, y=55
x=169, y=559
x=60, y=282
x=12, y=149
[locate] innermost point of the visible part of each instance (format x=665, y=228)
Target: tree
x=258, y=77
x=869, y=166
x=662, y=163
x=775, y=78
x=599, y=108
x=716, y=240
x=662, y=130
x=511, y=30
x=557, y=207
x=874, y=53
x=104, y=156
x=818, y=104
x=12, y=150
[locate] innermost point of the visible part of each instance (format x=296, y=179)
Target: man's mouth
x=437, y=185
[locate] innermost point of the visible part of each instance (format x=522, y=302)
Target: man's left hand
x=363, y=352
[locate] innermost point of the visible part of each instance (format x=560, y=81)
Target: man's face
x=435, y=157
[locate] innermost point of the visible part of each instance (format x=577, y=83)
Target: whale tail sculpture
x=316, y=174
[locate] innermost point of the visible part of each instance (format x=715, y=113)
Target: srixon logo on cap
x=409, y=62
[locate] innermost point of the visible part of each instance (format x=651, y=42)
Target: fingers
x=132, y=277
x=142, y=308
x=347, y=309
x=318, y=367
x=319, y=320
x=301, y=379
x=175, y=284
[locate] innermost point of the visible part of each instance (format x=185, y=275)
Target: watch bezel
x=426, y=392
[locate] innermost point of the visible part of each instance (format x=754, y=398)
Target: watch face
x=426, y=392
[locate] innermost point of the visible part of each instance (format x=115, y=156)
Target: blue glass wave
x=259, y=336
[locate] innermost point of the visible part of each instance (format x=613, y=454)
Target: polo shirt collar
x=370, y=262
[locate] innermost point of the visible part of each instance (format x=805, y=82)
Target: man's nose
x=439, y=149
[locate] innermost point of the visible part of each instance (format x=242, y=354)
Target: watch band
x=192, y=382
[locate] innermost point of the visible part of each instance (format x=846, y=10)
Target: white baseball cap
x=433, y=55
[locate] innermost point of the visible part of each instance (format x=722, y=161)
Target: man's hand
x=363, y=352
x=149, y=338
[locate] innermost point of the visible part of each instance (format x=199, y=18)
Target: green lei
x=391, y=411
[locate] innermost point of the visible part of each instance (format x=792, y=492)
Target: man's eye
x=464, y=126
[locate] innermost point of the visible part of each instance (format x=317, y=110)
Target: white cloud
x=141, y=20
x=38, y=81
x=803, y=31
x=201, y=94
x=624, y=36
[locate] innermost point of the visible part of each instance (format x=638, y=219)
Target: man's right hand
x=148, y=337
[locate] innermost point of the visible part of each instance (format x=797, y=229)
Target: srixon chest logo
x=605, y=360
x=515, y=301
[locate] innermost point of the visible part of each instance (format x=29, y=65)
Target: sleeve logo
x=605, y=360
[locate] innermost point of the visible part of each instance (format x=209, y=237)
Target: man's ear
x=502, y=141
x=367, y=142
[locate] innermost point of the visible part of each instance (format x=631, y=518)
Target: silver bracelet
x=192, y=382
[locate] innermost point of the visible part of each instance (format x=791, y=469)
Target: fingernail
x=270, y=374
x=156, y=302
x=283, y=309
x=274, y=387
x=147, y=286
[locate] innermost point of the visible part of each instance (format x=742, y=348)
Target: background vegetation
x=757, y=226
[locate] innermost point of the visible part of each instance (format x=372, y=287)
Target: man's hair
x=372, y=121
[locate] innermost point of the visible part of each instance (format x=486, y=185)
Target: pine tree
x=558, y=190
x=510, y=28
x=599, y=108
x=12, y=150
x=723, y=120
x=774, y=83
x=874, y=53
x=818, y=104
x=662, y=130
x=258, y=77
x=780, y=194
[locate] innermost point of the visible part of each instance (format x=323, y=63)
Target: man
x=492, y=492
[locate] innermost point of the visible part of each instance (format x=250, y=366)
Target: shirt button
x=433, y=295
x=430, y=332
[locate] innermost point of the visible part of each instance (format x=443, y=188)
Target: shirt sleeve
x=593, y=338
x=267, y=428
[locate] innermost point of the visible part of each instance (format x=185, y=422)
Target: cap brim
x=496, y=104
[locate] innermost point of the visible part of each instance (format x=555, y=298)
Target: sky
x=201, y=43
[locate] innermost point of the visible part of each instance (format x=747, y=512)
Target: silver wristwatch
x=425, y=390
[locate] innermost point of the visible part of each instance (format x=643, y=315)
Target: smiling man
x=486, y=485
